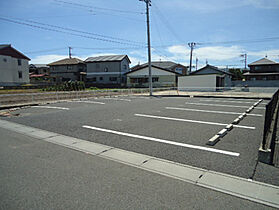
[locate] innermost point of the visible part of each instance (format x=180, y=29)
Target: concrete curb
x=213, y=140
x=244, y=188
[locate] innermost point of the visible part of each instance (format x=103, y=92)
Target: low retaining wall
x=257, y=83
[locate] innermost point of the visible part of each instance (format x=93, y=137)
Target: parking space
x=173, y=128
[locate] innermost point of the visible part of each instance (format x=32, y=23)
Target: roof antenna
x=206, y=62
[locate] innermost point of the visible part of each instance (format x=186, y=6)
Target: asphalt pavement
x=155, y=118
x=36, y=174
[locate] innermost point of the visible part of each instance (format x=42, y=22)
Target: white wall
x=9, y=69
x=197, y=81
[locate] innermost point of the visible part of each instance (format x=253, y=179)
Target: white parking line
x=193, y=121
x=231, y=101
x=201, y=104
x=89, y=102
x=118, y=99
x=163, y=141
x=210, y=111
x=52, y=107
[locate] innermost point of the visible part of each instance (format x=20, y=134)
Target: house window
x=69, y=67
x=179, y=70
x=139, y=80
x=101, y=78
x=125, y=67
x=134, y=80
x=155, y=79
x=258, y=67
x=106, y=69
x=19, y=62
x=93, y=79
x=20, y=74
x=97, y=66
x=113, y=79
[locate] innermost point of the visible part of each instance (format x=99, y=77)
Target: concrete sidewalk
x=36, y=174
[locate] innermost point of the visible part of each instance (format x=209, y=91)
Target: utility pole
x=245, y=59
x=70, y=52
x=191, y=45
x=148, y=3
x=197, y=60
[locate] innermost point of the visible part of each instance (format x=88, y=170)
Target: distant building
x=169, y=65
x=139, y=77
x=107, y=71
x=39, y=69
x=13, y=67
x=223, y=78
x=39, y=73
x=263, y=69
x=68, y=69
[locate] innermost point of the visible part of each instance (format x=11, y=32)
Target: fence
x=270, y=127
x=30, y=98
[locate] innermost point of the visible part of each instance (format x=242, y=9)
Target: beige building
x=14, y=67
x=160, y=77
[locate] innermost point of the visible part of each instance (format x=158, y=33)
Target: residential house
x=263, y=69
x=39, y=73
x=68, y=69
x=161, y=77
x=107, y=71
x=39, y=69
x=169, y=65
x=13, y=66
x=223, y=77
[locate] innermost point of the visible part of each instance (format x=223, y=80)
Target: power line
x=98, y=8
x=104, y=13
x=166, y=23
x=241, y=41
x=78, y=31
x=68, y=33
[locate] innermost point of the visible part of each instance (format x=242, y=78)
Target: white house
x=14, y=67
x=160, y=77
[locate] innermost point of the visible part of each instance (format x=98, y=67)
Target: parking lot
x=172, y=128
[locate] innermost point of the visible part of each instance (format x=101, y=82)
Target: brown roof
x=263, y=61
x=142, y=67
x=8, y=50
x=66, y=61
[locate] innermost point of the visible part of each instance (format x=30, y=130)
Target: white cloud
x=271, y=54
x=214, y=53
x=46, y=59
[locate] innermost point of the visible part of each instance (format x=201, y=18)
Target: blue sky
x=119, y=27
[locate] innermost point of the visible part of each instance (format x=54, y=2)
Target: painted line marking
x=52, y=107
x=209, y=111
x=201, y=104
x=118, y=99
x=89, y=102
x=193, y=121
x=163, y=141
x=230, y=101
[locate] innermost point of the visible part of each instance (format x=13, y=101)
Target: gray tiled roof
x=161, y=64
x=106, y=58
x=263, y=61
x=39, y=65
x=66, y=61
x=4, y=45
